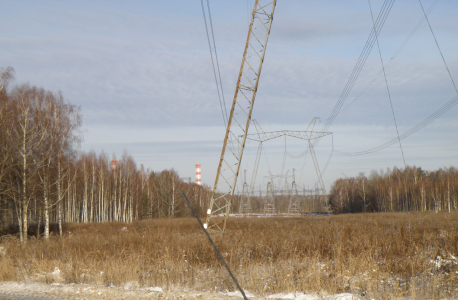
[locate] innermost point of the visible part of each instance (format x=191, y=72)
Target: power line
x=379, y=23
x=327, y=162
x=216, y=56
x=387, y=88
x=219, y=84
x=437, y=44
x=431, y=117
x=414, y=30
x=381, y=18
x=446, y=107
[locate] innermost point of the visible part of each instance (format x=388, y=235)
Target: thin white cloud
x=142, y=72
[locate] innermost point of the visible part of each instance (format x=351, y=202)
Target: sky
x=142, y=74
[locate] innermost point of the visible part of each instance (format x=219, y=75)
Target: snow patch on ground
x=300, y=296
x=441, y=263
x=131, y=290
x=238, y=294
x=155, y=289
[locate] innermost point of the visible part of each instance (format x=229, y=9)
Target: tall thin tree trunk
x=118, y=216
x=46, y=206
x=125, y=198
x=173, y=196
x=84, y=214
x=74, y=210
x=68, y=210
x=25, y=202
x=59, y=197
x=38, y=223
x=391, y=198
x=423, y=200
x=91, y=214
x=115, y=194
x=19, y=217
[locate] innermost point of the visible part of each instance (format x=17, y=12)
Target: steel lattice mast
x=269, y=205
x=245, y=201
x=240, y=116
x=294, y=206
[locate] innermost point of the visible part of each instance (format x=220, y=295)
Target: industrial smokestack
x=198, y=178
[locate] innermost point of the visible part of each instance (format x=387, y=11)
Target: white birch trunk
x=59, y=197
x=46, y=206
x=84, y=213
x=91, y=214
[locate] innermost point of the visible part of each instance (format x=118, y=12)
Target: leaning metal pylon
x=245, y=202
x=240, y=116
x=294, y=207
x=269, y=205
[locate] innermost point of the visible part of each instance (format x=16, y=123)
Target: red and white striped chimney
x=198, y=178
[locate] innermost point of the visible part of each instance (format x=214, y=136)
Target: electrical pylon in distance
x=269, y=204
x=240, y=116
x=245, y=201
x=294, y=206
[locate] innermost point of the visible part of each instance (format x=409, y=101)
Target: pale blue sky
x=141, y=72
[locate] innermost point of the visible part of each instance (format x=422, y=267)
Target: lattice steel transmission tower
x=245, y=201
x=294, y=205
x=240, y=116
x=269, y=204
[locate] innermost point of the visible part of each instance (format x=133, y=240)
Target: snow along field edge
x=42, y=291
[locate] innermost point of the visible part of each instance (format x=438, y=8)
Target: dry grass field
x=378, y=256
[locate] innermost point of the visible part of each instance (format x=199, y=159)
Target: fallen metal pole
x=213, y=244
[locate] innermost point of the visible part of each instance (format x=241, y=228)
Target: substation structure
x=260, y=136
x=269, y=201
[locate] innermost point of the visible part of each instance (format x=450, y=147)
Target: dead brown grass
x=375, y=255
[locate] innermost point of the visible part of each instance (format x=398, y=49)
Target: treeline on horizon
x=409, y=189
x=45, y=179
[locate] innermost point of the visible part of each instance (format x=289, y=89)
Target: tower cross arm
x=307, y=135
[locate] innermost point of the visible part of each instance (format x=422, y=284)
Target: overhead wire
x=380, y=21
x=381, y=18
x=387, y=88
x=327, y=162
x=377, y=26
x=219, y=85
x=437, y=44
x=447, y=106
x=216, y=56
x=404, y=43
